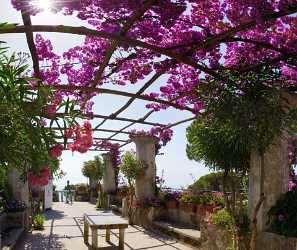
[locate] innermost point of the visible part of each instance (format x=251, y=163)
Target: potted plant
x=171, y=200
x=38, y=222
x=186, y=202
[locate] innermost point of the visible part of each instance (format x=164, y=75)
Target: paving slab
x=64, y=231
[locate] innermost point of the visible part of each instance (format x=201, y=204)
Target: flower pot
x=172, y=204
x=187, y=207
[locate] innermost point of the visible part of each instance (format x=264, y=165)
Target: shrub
x=283, y=215
x=206, y=198
x=242, y=221
x=14, y=206
x=169, y=196
x=223, y=220
x=38, y=221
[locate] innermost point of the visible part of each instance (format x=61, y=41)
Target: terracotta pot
x=187, y=207
x=172, y=204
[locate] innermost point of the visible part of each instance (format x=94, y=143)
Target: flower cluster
x=39, y=179
x=83, y=139
x=291, y=185
x=113, y=149
x=203, y=198
x=163, y=134
x=188, y=41
x=56, y=151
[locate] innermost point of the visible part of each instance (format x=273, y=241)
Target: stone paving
x=64, y=230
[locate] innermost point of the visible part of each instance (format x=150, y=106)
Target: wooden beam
x=120, y=93
x=100, y=130
x=121, y=39
x=109, y=52
x=130, y=125
x=97, y=138
x=116, y=118
x=130, y=101
x=137, y=43
x=30, y=41
x=180, y=122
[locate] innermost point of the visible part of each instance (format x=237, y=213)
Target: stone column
x=20, y=192
x=19, y=189
x=145, y=151
x=109, y=182
x=272, y=180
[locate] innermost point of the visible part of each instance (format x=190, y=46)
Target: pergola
x=100, y=119
x=121, y=39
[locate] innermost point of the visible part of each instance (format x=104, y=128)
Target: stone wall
x=215, y=238
x=184, y=217
x=271, y=241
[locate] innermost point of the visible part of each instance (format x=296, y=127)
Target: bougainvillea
x=163, y=134
x=113, y=149
x=56, y=151
x=83, y=139
x=188, y=41
x=39, y=179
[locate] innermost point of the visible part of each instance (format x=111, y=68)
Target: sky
x=177, y=169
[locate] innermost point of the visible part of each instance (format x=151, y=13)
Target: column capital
x=107, y=156
x=145, y=139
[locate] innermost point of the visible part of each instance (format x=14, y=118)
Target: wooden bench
x=104, y=220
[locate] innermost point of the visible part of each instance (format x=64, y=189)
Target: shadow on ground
x=64, y=231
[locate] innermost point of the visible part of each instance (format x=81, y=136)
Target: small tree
x=214, y=182
x=131, y=168
x=93, y=169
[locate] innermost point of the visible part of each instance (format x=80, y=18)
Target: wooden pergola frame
x=29, y=29
x=120, y=39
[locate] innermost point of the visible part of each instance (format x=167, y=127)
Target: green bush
x=38, y=221
x=243, y=221
x=223, y=220
x=283, y=215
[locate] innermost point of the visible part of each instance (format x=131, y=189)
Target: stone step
x=12, y=237
x=186, y=233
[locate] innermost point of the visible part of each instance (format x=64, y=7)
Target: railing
x=65, y=195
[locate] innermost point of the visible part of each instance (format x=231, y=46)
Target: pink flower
x=87, y=125
x=39, y=179
x=69, y=133
x=83, y=138
x=291, y=185
x=50, y=109
x=56, y=151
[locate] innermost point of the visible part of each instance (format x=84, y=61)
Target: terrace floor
x=64, y=230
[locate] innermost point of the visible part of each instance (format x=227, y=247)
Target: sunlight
x=44, y=4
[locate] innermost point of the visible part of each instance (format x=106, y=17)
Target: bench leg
x=86, y=233
x=94, y=239
x=121, y=239
x=107, y=236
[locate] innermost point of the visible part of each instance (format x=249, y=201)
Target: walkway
x=64, y=231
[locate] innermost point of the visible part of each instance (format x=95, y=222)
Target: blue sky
x=178, y=170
